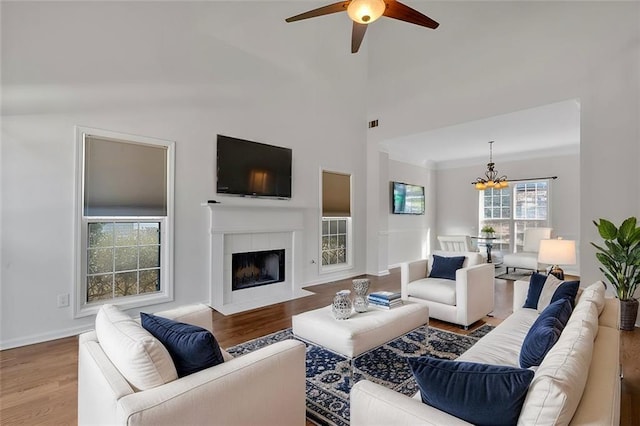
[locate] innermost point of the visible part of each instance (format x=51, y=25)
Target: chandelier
x=491, y=179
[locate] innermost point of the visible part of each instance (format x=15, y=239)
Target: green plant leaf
x=625, y=233
x=607, y=229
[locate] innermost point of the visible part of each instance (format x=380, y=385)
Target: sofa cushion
x=445, y=267
x=453, y=387
x=594, y=293
x=536, y=282
x=434, y=289
x=567, y=290
x=554, y=289
x=143, y=361
x=192, y=348
x=544, y=333
x=560, y=380
x=586, y=312
x=545, y=289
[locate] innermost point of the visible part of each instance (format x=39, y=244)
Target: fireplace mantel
x=237, y=228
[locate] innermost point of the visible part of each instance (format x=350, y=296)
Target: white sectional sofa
x=577, y=383
x=264, y=387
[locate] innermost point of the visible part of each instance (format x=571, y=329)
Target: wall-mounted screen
x=407, y=198
x=253, y=169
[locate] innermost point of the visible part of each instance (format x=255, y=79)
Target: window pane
x=342, y=226
x=325, y=258
x=333, y=243
x=126, y=284
x=325, y=243
x=342, y=241
x=126, y=258
x=333, y=226
x=325, y=227
x=333, y=257
x=100, y=260
x=342, y=256
x=149, y=256
x=149, y=233
x=99, y=287
x=149, y=281
x=100, y=234
x=126, y=233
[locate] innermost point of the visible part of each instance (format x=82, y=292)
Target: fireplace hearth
x=258, y=268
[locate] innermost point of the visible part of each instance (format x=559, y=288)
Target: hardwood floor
x=39, y=382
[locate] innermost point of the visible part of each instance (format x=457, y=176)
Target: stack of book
x=384, y=299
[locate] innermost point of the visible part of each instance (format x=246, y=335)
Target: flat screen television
x=252, y=169
x=407, y=198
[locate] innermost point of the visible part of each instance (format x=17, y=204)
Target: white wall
x=176, y=71
x=409, y=235
x=468, y=69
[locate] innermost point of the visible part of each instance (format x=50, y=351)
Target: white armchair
x=528, y=257
x=463, y=301
x=265, y=387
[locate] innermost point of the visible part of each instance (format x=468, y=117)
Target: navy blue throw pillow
x=566, y=290
x=536, y=283
x=545, y=332
x=191, y=348
x=445, y=267
x=481, y=394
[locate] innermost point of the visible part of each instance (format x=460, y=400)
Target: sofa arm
x=372, y=404
x=520, y=291
x=475, y=290
x=409, y=272
x=265, y=387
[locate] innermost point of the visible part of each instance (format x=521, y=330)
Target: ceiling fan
x=364, y=12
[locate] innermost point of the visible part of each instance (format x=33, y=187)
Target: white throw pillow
x=143, y=361
x=558, y=384
x=550, y=286
x=594, y=293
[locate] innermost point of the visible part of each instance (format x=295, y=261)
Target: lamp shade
x=557, y=252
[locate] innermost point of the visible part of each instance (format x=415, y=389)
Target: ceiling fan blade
x=324, y=10
x=357, y=34
x=397, y=10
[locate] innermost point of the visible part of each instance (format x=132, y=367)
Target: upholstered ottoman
x=361, y=332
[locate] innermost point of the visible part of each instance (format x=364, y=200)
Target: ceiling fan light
x=366, y=11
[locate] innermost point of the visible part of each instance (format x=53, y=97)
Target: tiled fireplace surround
x=237, y=229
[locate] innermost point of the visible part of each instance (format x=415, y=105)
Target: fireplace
x=257, y=268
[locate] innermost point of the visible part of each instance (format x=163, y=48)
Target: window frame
x=81, y=307
x=327, y=269
x=348, y=264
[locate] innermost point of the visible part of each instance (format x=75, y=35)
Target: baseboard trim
x=44, y=337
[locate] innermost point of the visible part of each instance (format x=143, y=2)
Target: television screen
x=252, y=168
x=407, y=199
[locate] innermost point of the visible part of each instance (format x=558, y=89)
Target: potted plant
x=487, y=231
x=620, y=259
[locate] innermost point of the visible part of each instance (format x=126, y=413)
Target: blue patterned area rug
x=328, y=374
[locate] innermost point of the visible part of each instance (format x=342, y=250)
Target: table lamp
x=557, y=252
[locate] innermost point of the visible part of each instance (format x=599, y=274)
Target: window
x=336, y=247
x=512, y=210
x=125, y=221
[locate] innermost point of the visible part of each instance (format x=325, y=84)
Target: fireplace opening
x=256, y=268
